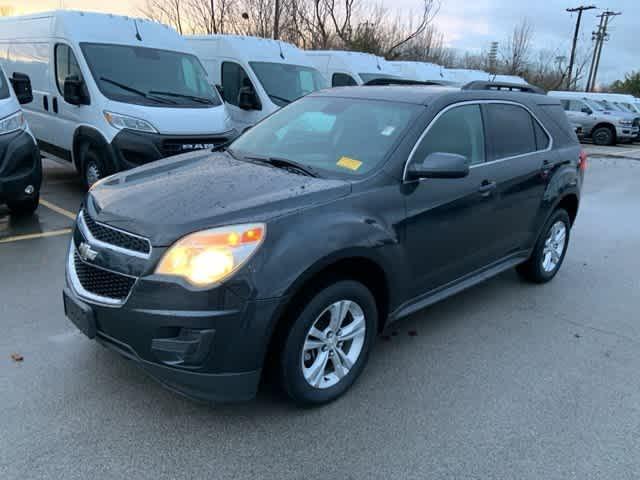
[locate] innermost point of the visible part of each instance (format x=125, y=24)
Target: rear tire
x=550, y=249
x=321, y=360
x=26, y=206
x=604, y=136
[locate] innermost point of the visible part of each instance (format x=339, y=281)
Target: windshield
x=148, y=76
x=337, y=137
x=285, y=83
x=367, y=77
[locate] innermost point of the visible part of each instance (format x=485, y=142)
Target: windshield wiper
x=136, y=91
x=183, y=95
x=286, y=164
x=276, y=97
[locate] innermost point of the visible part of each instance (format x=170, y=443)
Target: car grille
x=175, y=146
x=115, y=237
x=102, y=282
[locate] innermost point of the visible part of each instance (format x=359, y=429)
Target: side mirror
x=439, y=165
x=22, y=86
x=247, y=99
x=586, y=110
x=75, y=91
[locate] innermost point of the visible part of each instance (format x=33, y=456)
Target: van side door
x=235, y=83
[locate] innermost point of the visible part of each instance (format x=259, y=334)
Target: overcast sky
x=473, y=24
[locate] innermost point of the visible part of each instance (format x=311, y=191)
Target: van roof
x=420, y=71
x=358, y=62
x=247, y=48
x=77, y=27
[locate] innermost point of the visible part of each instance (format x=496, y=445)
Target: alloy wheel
x=333, y=344
x=554, y=246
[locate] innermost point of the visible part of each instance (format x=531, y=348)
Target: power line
x=579, y=9
x=600, y=36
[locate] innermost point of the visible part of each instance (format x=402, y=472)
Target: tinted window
x=66, y=65
x=339, y=137
x=542, y=139
x=510, y=129
x=459, y=130
x=285, y=83
x=342, y=80
x=149, y=76
x=367, y=77
x=233, y=78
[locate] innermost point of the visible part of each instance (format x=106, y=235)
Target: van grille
x=102, y=282
x=115, y=237
x=175, y=146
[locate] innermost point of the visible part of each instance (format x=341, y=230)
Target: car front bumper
x=626, y=133
x=20, y=166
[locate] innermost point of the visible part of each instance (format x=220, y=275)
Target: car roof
x=426, y=94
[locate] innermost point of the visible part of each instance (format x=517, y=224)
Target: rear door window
x=511, y=130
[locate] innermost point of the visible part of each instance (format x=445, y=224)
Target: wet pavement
x=506, y=380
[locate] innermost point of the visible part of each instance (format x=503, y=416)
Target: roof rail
x=400, y=81
x=504, y=86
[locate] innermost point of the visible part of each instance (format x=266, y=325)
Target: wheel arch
x=85, y=135
x=608, y=125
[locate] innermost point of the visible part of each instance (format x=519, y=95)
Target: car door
x=580, y=112
x=233, y=78
x=448, y=220
x=519, y=161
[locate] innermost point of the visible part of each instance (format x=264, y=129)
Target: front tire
x=93, y=167
x=550, y=249
x=604, y=136
x=25, y=206
x=328, y=345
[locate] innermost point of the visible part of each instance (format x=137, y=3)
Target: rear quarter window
x=510, y=128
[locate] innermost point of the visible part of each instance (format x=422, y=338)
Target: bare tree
x=165, y=11
x=517, y=48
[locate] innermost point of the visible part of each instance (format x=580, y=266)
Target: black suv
x=336, y=216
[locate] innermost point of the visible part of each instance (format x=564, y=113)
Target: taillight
x=582, y=160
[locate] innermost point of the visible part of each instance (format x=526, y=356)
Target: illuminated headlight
x=210, y=256
x=119, y=121
x=12, y=123
x=625, y=123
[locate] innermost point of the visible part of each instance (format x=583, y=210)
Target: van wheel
x=604, y=136
x=93, y=167
x=328, y=344
x=26, y=206
x=550, y=250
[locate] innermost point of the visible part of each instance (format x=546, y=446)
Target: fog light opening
x=29, y=190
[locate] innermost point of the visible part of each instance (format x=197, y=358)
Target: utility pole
x=595, y=36
x=213, y=19
x=579, y=9
x=604, y=36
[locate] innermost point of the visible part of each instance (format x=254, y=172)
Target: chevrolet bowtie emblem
x=86, y=252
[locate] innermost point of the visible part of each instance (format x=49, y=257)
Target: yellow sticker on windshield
x=350, y=163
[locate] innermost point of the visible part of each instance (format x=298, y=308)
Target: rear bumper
x=20, y=166
x=132, y=149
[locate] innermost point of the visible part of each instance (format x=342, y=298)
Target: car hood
x=170, y=198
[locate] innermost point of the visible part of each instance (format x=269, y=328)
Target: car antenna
x=138, y=37
x=378, y=62
x=280, y=47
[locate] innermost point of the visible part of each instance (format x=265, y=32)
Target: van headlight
x=210, y=256
x=13, y=123
x=119, y=121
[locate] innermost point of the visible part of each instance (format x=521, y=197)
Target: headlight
x=119, y=121
x=12, y=123
x=625, y=123
x=208, y=257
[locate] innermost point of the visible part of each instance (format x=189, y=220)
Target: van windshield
x=285, y=83
x=334, y=136
x=148, y=76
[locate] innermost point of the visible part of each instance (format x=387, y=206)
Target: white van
x=343, y=69
x=462, y=76
x=256, y=76
x=111, y=92
x=419, y=71
x=20, y=164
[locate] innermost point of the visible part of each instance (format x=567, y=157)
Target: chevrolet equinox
x=317, y=228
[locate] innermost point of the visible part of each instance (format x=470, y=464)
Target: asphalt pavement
x=504, y=381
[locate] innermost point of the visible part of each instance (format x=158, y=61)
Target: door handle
x=45, y=103
x=487, y=187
